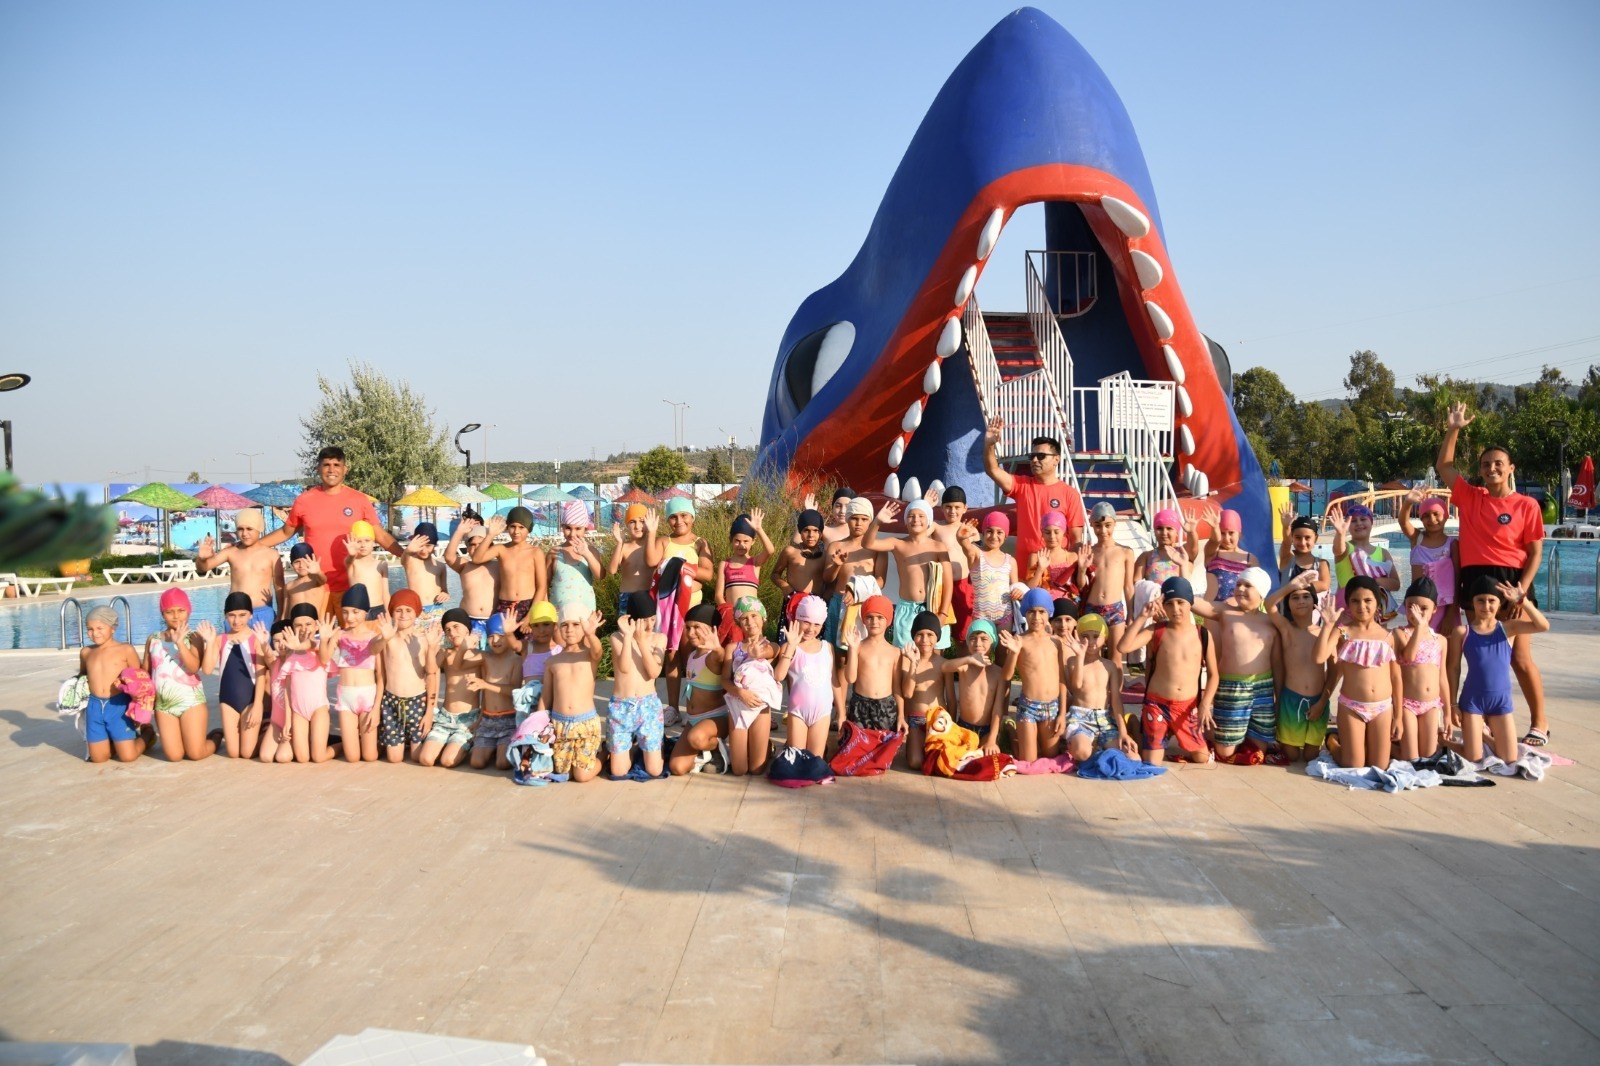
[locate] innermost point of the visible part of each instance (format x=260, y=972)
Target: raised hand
x=1304, y=579
x=968, y=529
x=1510, y=593
x=838, y=556
x=758, y=517
x=1073, y=646
x=932, y=496
x=911, y=654
x=889, y=511
x=349, y=545
x=810, y=502
x=592, y=624
x=1417, y=615
x=261, y=632
x=386, y=627
x=1458, y=418
x=791, y=634
x=1325, y=604
x=1010, y=642
x=509, y=620
x=208, y=545
x=652, y=523
x=1416, y=495
x=616, y=532
x=994, y=431
x=1286, y=515
x=326, y=629
x=206, y=631
x=1339, y=520
x=496, y=526
x=625, y=625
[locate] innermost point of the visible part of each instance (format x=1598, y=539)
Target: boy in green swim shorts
x=1303, y=697
x=1246, y=704
x=456, y=720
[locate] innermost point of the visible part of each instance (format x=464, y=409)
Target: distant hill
x=1503, y=394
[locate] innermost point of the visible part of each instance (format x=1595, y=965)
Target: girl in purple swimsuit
x=1483, y=642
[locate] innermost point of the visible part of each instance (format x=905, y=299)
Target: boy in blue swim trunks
x=109, y=729
x=634, y=714
x=1108, y=578
x=1095, y=721
x=426, y=573
x=1041, y=708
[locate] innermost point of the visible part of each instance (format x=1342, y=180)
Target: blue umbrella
x=275, y=493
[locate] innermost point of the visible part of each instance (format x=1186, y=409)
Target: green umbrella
x=163, y=498
x=498, y=491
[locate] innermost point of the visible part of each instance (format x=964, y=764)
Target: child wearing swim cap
x=308, y=584
x=992, y=572
x=634, y=714
x=175, y=657
x=1176, y=705
x=1108, y=590
x=576, y=729
x=706, y=717
x=502, y=676
x=409, y=653
x=524, y=570
x=802, y=564
x=351, y=649
x=1095, y=720
x=921, y=683
x=871, y=666
x=1246, y=709
x=1434, y=553
x=639, y=527
x=806, y=663
x=681, y=542
x=108, y=725
x=1302, y=695
x=456, y=718
x=307, y=682
x=1225, y=560
x=1035, y=658
x=363, y=567
x=1055, y=567
x=982, y=686
x=573, y=564
x=242, y=676
x=1295, y=554
x=746, y=661
x=426, y=573
x=921, y=565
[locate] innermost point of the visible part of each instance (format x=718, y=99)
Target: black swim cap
x=1423, y=588
x=238, y=601
x=926, y=620
x=456, y=614
x=302, y=610
x=704, y=613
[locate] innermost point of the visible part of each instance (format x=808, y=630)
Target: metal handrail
x=1373, y=497
x=1597, y=583
x=1132, y=436
x=1084, y=296
x=980, y=353
x=1552, y=580
x=127, y=614
x=1057, y=361
x=72, y=601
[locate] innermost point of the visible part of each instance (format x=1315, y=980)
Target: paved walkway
x=240, y=913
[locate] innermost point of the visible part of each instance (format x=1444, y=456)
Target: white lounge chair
x=119, y=574
x=33, y=586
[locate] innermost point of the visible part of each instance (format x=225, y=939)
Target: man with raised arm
x=254, y=568
x=1036, y=492
x=1502, y=538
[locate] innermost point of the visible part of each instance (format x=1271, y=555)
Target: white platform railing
x=1127, y=431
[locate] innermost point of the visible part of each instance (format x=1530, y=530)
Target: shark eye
x=815, y=359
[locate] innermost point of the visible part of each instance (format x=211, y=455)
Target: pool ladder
x=77, y=605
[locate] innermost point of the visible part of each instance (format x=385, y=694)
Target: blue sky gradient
x=551, y=218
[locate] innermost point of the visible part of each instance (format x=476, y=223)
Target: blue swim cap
x=1037, y=600
x=1177, y=588
x=495, y=625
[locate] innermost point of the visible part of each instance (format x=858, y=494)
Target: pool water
x=38, y=625
x=1577, y=569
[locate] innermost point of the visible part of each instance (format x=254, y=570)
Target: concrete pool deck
x=218, y=912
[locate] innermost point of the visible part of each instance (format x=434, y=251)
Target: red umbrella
x=1583, y=489
x=220, y=499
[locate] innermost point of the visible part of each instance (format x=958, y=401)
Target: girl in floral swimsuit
x=175, y=657
x=1369, y=676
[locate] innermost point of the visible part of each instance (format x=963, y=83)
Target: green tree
x=1267, y=412
x=1371, y=388
x=1589, y=390
x=717, y=472
x=387, y=430
x=659, y=469
x=1540, y=417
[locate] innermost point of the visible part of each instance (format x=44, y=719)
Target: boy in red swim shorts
x=1174, y=701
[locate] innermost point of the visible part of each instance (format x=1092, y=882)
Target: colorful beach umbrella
x=636, y=495
x=498, y=491
x=221, y=499
x=1583, y=489
x=163, y=498
x=674, y=493
x=547, y=494
x=586, y=494
x=466, y=494
x=425, y=496
x=275, y=493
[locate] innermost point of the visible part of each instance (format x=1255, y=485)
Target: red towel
x=865, y=752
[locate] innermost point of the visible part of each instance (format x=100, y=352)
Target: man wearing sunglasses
x=1036, y=492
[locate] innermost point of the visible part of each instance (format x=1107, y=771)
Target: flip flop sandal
x=1537, y=738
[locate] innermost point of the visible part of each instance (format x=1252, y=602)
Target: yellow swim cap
x=1092, y=623
x=543, y=611
x=362, y=531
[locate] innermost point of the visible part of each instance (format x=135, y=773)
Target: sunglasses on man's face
x=1040, y=457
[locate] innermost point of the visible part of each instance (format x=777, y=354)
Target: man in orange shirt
x=1037, y=492
x=323, y=515
x=1501, y=537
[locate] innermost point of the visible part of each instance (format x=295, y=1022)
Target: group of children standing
x=1235, y=672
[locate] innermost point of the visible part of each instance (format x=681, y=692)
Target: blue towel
x=637, y=772
x=1113, y=765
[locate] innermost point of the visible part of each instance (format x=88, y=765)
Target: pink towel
x=1054, y=764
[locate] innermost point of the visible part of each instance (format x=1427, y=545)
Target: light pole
x=10, y=383
x=1561, y=426
x=679, y=406
x=470, y=427
x=732, y=444
x=250, y=463
x=486, y=477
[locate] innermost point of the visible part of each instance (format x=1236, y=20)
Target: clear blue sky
x=551, y=218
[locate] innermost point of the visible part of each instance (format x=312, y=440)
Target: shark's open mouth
x=865, y=389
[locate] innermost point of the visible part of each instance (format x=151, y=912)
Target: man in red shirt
x=323, y=515
x=1036, y=492
x=1502, y=537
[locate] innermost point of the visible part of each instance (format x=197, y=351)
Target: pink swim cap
x=175, y=598
x=1169, y=518
x=1231, y=522
x=996, y=520
x=1053, y=518
x=1432, y=503
x=811, y=609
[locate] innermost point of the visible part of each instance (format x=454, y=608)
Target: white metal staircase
x=1119, y=432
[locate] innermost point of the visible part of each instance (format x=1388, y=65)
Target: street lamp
x=486, y=429
x=1561, y=426
x=10, y=383
x=470, y=427
x=679, y=406
x=250, y=463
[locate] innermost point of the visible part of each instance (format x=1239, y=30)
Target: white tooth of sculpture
x=949, y=338
x=1129, y=219
x=1145, y=265
x=1159, y=319
x=991, y=233
x=1174, y=364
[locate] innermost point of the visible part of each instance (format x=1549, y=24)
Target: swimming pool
x=38, y=625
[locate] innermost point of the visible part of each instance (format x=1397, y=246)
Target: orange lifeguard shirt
x=324, y=520
x=1495, y=530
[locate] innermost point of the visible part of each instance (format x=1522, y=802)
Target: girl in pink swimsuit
x=807, y=663
x=1368, y=676
x=274, y=745
x=1425, y=721
x=1434, y=554
x=307, y=679
x=350, y=651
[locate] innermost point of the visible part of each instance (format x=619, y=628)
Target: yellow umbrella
x=425, y=496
